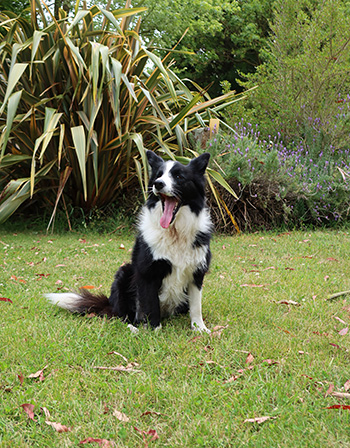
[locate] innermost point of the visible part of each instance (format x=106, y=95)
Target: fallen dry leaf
x=241, y=371
x=151, y=432
x=118, y=354
x=347, y=385
x=151, y=413
x=4, y=299
x=344, y=331
x=339, y=406
x=209, y=362
x=250, y=359
x=29, y=410
x=252, y=285
x=288, y=302
x=340, y=395
x=330, y=390
x=259, y=419
x=46, y=413
x=104, y=443
x=120, y=416
x=21, y=378
x=129, y=368
x=21, y=280
x=286, y=331
x=339, y=320
x=231, y=379
x=217, y=330
x=196, y=338
x=219, y=327
x=321, y=334
x=271, y=362
x=208, y=349
x=39, y=374
x=57, y=426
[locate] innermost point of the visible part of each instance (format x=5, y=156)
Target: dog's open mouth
x=171, y=206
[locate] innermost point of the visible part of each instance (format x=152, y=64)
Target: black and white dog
x=171, y=254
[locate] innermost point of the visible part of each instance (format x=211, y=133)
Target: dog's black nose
x=159, y=184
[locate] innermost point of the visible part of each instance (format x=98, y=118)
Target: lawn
x=278, y=348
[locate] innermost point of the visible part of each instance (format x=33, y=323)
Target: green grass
x=192, y=403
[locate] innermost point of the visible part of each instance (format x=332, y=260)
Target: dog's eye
x=178, y=176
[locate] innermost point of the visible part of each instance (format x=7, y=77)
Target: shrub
x=304, y=81
x=278, y=185
x=79, y=105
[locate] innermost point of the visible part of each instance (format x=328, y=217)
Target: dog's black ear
x=154, y=161
x=200, y=163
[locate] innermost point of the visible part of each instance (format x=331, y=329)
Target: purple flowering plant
x=308, y=173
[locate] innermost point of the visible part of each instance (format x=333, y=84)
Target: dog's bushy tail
x=82, y=302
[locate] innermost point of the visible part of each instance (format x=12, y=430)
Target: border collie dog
x=171, y=254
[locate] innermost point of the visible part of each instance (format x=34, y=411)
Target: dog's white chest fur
x=176, y=245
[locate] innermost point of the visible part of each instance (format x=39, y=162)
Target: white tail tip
x=67, y=300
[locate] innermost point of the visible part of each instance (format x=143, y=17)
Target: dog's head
x=176, y=185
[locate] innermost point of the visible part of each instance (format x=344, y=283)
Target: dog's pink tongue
x=169, y=205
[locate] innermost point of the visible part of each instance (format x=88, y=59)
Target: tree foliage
x=215, y=40
x=16, y=6
x=304, y=81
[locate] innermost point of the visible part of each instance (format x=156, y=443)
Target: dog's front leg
x=195, y=304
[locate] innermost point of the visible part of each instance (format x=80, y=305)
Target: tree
x=304, y=81
x=219, y=38
x=16, y=6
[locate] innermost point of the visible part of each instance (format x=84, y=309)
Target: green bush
x=304, y=82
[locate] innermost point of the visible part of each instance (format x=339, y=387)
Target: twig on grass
x=338, y=294
x=128, y=368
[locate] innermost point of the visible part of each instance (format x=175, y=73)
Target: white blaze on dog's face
x=164, y=183
x=164, y=187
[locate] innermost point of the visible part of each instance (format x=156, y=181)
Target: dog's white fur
x=176, y=246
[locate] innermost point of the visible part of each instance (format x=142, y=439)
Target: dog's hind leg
x=122, y=298
x=183, y=308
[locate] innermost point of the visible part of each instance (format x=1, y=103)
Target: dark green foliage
x=304, y=82
x=16, y=6
x=214, y=39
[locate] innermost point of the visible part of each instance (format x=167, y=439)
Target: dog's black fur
x=171, y=254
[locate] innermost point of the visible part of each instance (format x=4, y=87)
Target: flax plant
x=81, y=98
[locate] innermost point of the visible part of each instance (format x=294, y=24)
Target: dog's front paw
x=133, y=329
x=199, y=326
